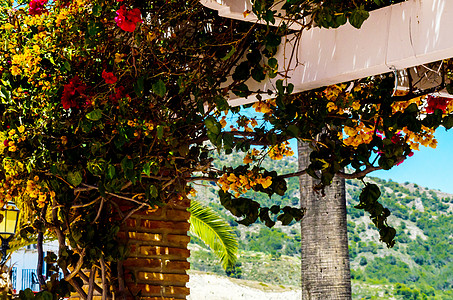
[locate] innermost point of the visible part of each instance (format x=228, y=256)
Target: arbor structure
x=110, y=110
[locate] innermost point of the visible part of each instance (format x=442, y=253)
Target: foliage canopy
x=112, y=102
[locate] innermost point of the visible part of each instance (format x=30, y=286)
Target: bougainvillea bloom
x=36, y=7
x=73, y=91
x=119, y=94
x=127, y=19
x=436, y=103
x=109, y=77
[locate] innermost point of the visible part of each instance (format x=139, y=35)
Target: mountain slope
x=420, y=265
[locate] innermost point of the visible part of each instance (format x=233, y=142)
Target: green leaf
x=285, y=218
x=450, y=88
x=213, y=125
x=358, y=16
x=280, y=87
x=67, y=66
x=139, y=86
x=258, y=73
x=228, y=140
x=97, y=10
x=153, y=191
x=242, y=71
x=159, y=88
x=341, y=20
x=110, y=172
x=215, y=232
x=370, y=193
x=94, y=115
x=447, y=121
x=94, y=27
x=127, y=164
x=273, y=40
x=272, y=62
x=229, y=54
x=74, y=178
x=160, y=131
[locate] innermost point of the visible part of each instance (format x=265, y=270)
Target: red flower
x=436, y=103
x=397, y=138
x=109, y=77
x=119, y=94
x=74, y=90
x=36, y=7
x=127, y=19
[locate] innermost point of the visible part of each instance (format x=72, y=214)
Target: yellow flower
x=247, y=159
x=15, y=70
x=8, y=26
x=267, y=182
x=119, y=57
x=21, y=128
x=355, y=105
x=223, y=122
x=12, y=148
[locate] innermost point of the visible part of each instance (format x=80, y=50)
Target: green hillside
x=420, y=266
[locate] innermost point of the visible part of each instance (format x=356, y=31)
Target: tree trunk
x=325, y=256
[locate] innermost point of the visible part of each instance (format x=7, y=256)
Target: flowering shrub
x=112, y=102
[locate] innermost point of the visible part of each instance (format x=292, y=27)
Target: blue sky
x=428, y=167
x=432, y=168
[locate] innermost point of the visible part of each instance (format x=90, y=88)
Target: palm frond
x=214, y=232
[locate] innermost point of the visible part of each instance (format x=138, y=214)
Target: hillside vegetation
x=420, y=266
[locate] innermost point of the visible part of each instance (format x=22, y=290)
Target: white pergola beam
x=395, y=37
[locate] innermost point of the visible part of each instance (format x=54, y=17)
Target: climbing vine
x=111, y=107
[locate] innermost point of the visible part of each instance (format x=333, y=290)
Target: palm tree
x=214, y=232
x=325, y=256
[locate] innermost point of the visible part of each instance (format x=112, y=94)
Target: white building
x=24, y=263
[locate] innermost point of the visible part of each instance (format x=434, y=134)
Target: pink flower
x=127, y=19
x=109, y=77
x=36, y=7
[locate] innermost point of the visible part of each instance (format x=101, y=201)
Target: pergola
x=393, y=38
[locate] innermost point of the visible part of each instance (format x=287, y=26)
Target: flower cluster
x=119, y=94
x=11, y=138
x=109, y=77
x=36, y=7
x=360, y=134
x=251, y=156
x=424, y=138
x=277, y=152
x=240, y=184
x=38, y=192
x=264, y=107
x=128, y=19
x=73, y=92
x=434, y=103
